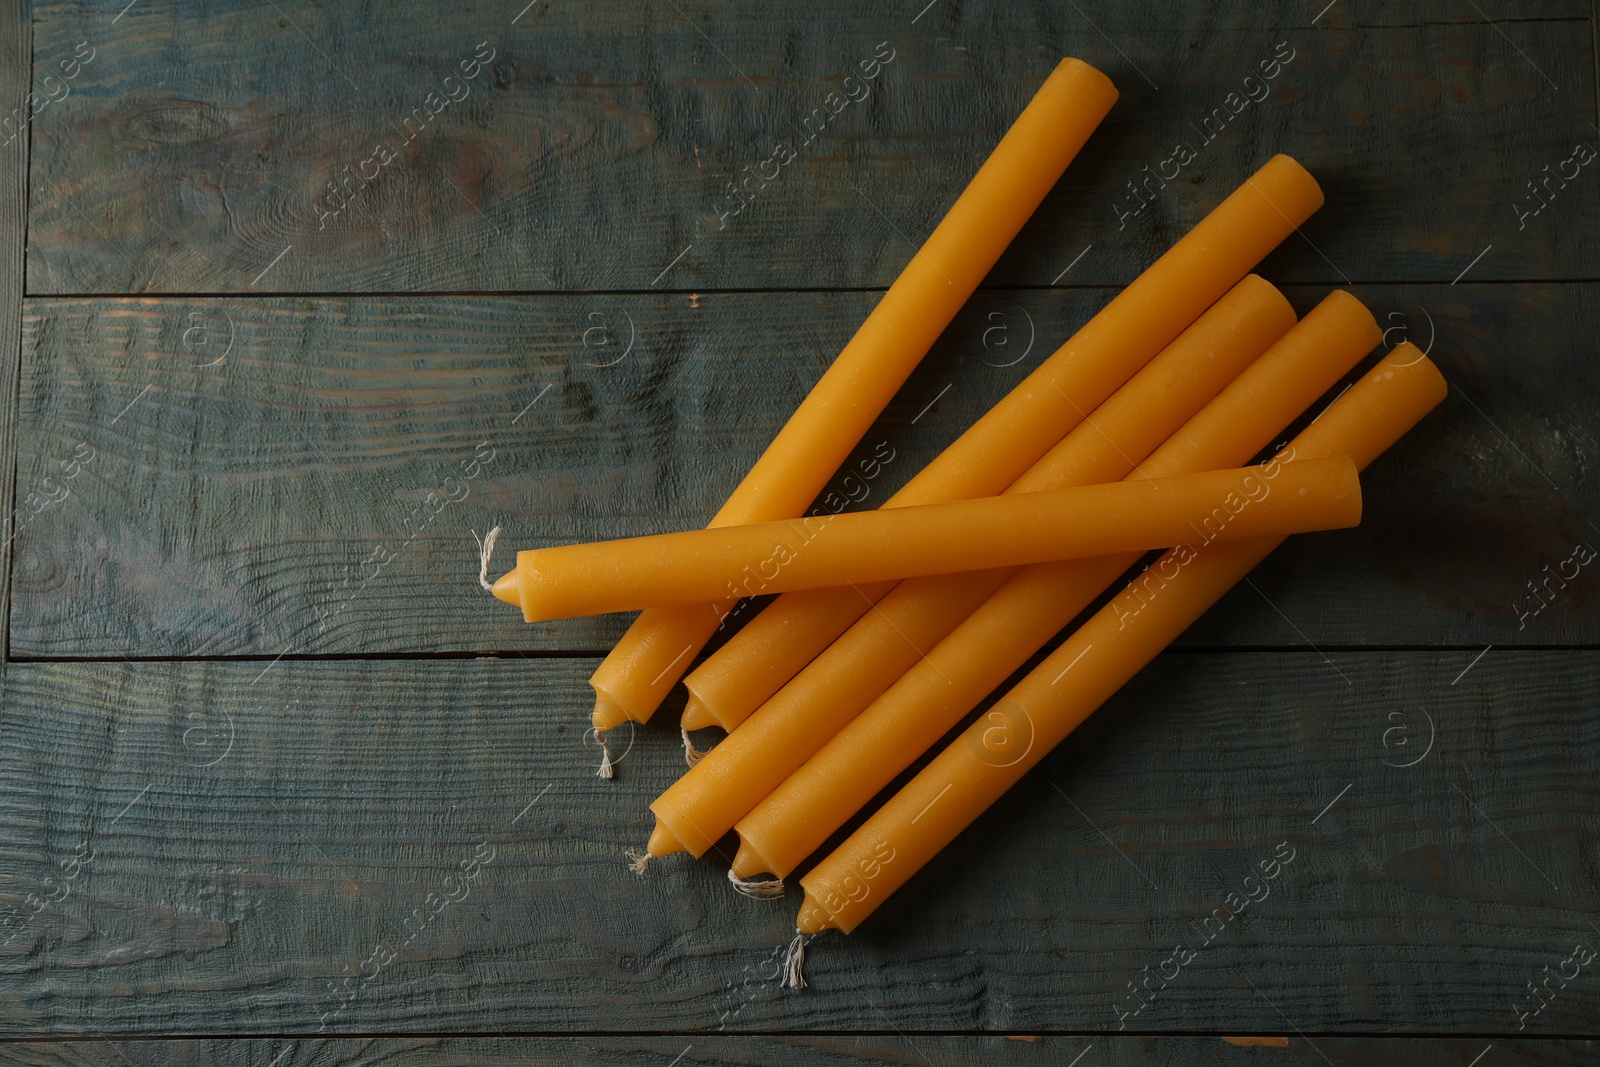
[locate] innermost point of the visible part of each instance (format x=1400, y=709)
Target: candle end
x=507, y=588
x=747, y=863
x=1289, y=187
x=696, y=715
x=814, y=918
x=608, y=714
x=663, y=842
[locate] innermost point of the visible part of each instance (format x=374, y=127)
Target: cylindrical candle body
x=956, y=673
x=1119, y=433
x=1124, y=431
x=869, y=546
x=985, y=760
x=1126, y=333
x=791, y=728
x=1023, y=167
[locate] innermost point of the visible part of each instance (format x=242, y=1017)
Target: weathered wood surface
x=235, y=847
x=594, y=149
x=241, y=848
x=15, y=48
x=718, y=1051
x=256, y=462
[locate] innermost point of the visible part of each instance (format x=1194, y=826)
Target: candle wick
x=485, y=551
x=640, y=860
x=605, y=770
x=794, y=959
x=691, y=755
x=764, y=888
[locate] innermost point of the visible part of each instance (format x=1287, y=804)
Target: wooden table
x=298, y=297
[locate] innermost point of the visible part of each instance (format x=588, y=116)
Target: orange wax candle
x=935, y=691
x=969, y=775
x=1125, y=429
x=1126, y=333
x=887, y=641
x=869, y=546
x=656, y=650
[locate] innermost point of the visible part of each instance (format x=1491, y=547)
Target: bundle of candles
x=894, y=625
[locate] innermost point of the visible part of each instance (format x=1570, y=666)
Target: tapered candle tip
x=746, y=864
x=608, y=714
x=663, y=842
x=813, y=919
x=507, y=588
x=696, y=716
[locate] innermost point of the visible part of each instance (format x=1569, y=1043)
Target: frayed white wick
x=691, y=755
x=605, y=770
x=485, y=553
x=764, y=889
x=794, y=958
x=638, y=861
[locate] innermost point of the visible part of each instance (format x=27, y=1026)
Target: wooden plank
x=316, y=441
x=16, y=45
x=249, y=848
x=596, y=147
x=701, y=1050
x=252, y=457
x=1476, y=526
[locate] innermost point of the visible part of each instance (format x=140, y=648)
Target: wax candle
x=1125, y=334
x=808, y=712
x=1032, y=155
x=754, y=760
x=1108, y=443
x=885, y=642
x=871, y=546
x=986, y=759
x=937, y=689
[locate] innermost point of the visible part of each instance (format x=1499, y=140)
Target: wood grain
x=1474, y=517
x=262, y=483
x=219, y=457
x=253, y=455
x=721, y=1051
x=15, y=47
x=597, y=145
x=258, y=837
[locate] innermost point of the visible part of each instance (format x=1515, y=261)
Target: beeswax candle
x=735, y=775
x=956, y=674
x=1119, y=434
x=969, y=775
x=869, y=546
x=1029, y=159
x=1125, y=334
